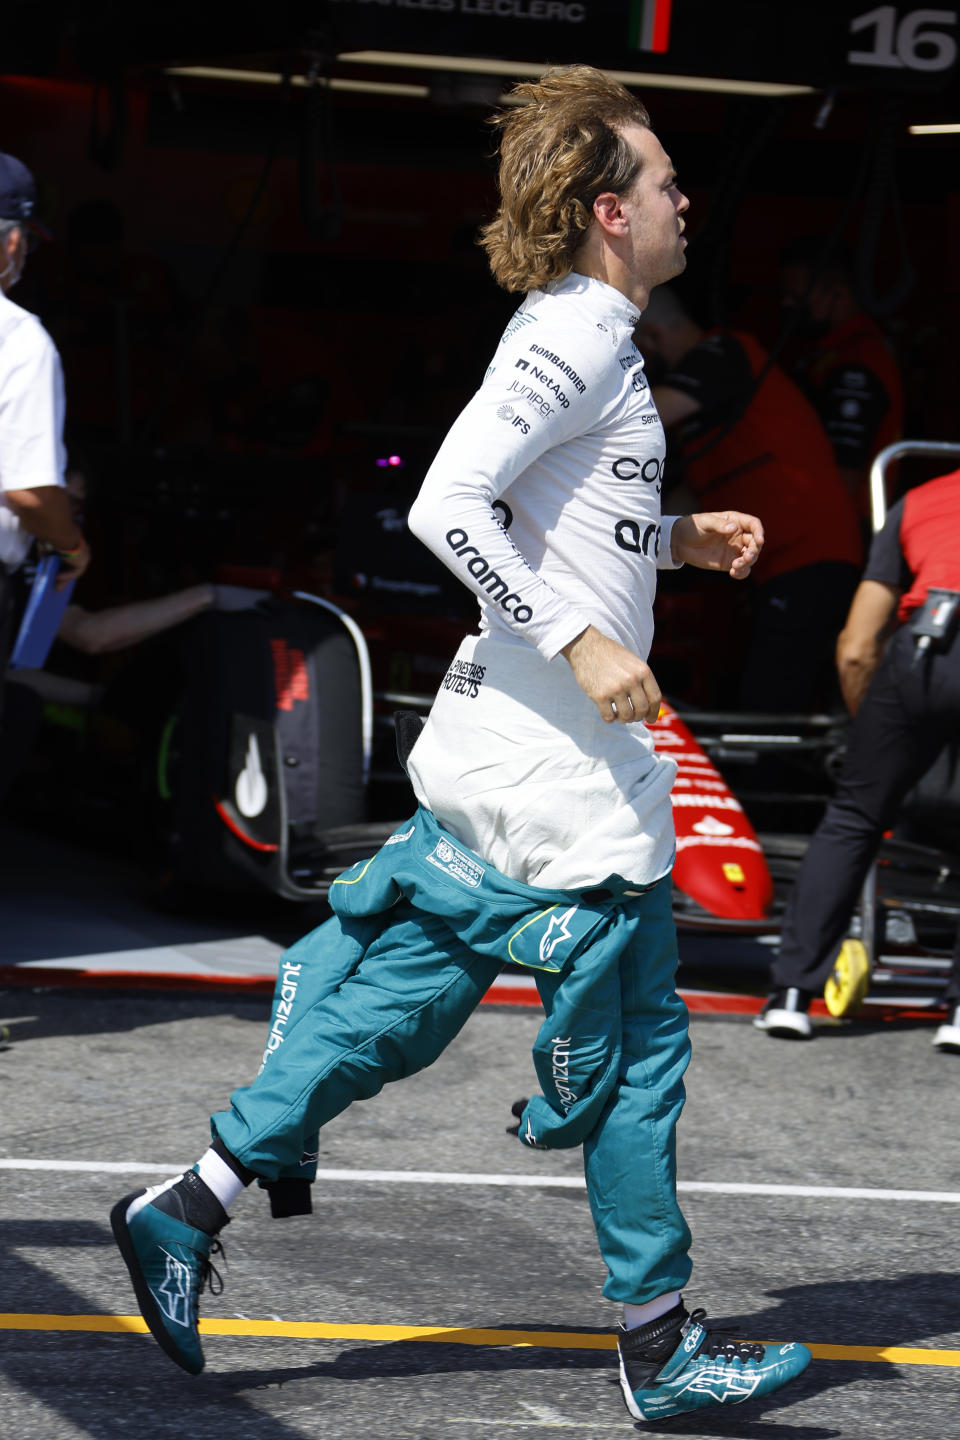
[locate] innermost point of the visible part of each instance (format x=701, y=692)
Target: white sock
x=634, y=1315
x=218, y=1177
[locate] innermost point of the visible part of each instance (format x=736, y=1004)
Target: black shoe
x=785, y=1014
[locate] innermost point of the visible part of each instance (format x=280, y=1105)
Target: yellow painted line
x=313, y=1330
x=445, y=1334
x=887, y=1354
x=105, y=1324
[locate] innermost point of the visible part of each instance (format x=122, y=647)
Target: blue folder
x=41, y=618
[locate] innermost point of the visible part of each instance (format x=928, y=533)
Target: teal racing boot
x=169, y=1264
x=675, y=1365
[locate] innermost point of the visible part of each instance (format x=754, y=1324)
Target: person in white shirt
x=544, y=830
x=34, y=504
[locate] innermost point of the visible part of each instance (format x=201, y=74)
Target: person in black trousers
x=904, y=694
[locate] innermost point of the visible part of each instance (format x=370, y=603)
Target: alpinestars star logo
x=722, y=1382
x=556, y=932
x=174, y=1294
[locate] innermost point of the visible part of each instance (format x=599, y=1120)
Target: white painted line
x=823, y=1192
x=524, y=1182
x=543, y=1417
x=590, y=1425
x=93, y=1167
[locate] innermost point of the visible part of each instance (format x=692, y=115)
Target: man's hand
x=73, y=565
x=45, y=512
x=718, y=540
x=618, y=682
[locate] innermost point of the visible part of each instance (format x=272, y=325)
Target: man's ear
x=609, y=213
x=11, y=241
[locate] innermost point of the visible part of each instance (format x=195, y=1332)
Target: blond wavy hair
x=560, y=148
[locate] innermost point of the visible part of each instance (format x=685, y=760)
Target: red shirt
x=774, y=461
x=919, y=546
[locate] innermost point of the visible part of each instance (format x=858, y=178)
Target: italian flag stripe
x=650, y=25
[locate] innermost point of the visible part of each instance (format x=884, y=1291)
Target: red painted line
x=698, y=1002
x=501, y=992
x=708, y=1003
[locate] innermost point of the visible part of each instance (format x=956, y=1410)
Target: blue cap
x=18, y=193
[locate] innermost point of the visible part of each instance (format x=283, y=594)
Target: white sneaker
x=948, y=1035
x=785, y=1015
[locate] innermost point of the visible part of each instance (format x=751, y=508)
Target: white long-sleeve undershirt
x=544, y=498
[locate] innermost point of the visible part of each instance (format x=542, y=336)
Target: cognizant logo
x=289, y=980
x=481, y=570
x=561, y=1071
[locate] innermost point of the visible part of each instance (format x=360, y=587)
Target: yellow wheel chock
x=849, y=980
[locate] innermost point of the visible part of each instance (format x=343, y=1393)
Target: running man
x=544, y=830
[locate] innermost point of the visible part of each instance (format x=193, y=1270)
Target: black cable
x=316, y=153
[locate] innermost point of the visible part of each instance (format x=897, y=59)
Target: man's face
x=12, y=258
x=655, y=208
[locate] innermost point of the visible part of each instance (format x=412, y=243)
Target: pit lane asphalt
x=100, y=1077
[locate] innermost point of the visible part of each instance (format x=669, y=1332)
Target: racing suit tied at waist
x=574, y=939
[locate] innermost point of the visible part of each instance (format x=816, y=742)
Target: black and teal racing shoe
x=676, y=1365
x=169, y=1264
